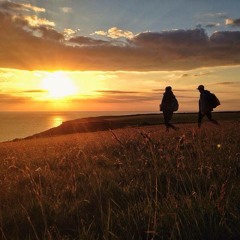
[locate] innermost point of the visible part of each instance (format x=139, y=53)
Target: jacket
x=204, y=105
x=168, y=102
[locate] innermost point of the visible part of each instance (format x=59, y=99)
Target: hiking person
x=168, y=105
x=207, y=102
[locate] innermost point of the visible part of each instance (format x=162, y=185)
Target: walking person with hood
x=168, y=105
x=207, y=102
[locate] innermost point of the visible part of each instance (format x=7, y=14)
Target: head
x=200, y=88
x=168, y=89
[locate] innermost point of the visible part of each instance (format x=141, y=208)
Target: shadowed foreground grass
x=132, y=183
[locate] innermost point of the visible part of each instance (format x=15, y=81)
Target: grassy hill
x=130, y=183
x=104, y=123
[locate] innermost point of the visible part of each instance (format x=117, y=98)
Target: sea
x=14, y=125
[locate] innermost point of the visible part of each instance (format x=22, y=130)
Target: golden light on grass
x=58, y=85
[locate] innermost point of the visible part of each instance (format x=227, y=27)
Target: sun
x=58, y=85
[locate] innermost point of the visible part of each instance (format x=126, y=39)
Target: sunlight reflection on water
x=57, y=120
x=22, y=124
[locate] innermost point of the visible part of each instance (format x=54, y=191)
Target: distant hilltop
x=104, y=123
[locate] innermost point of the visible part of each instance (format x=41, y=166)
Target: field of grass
x=130, y=183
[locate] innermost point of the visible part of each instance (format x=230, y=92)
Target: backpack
x=212, y=100
x=175, y=105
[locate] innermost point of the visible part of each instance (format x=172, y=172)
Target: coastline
x=105, y=123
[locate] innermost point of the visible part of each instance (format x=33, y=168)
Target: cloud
x=226, y=38
x=173, y=38
x=227, y=83
x=35, y=21
x=66, y=9
x=233, y=22
x=33, y=8
x=196, y=74
x=68, y=33
x=81, y=40
x=101, y=33
x=33, y=43
x=118, y=33
x=49, y=33
x=10, y=99
x=215, y=15
x=126, y=98
x=115, y=92
x=115, y=32
x=116, y=96
x=162, y=90
x=5, y=75
x=212, y=25
x=155, y=95
x=16, y=7
x=35, y=91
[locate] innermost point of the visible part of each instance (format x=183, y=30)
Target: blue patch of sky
x=137, y=15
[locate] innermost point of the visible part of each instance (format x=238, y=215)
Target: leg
x=167, y=118
x=200, y=117
x=173, y=127
x=209, y=116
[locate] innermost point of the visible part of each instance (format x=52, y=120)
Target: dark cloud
x=81, y=40
x=171, y=38
x=12, y=6
x=226, y=38
x=202, y=74
x=121, y=97
x=38, y=45
x=227, y=83
x=128, y=98
x=134, y=98
x=221, y=15
x=195, y=75
x=125, y=98
x=35, y=91
x=212, y=25
x=10, y=99
x=18, y=8
x=214, y=15
x=161, y=90
x=187, y=97
x=49, y=33
x=115, y=92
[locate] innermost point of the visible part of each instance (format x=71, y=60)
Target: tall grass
x=133, y=183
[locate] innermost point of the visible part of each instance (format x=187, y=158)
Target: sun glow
x=58, y=85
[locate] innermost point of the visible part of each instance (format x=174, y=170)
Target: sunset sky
x=110, y=55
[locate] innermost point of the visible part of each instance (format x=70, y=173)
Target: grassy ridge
x=104, y=123
x=132, y=183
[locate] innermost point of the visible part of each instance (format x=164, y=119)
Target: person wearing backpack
x=207, y=102
x=168, y=105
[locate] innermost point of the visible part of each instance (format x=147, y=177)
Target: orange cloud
x=114, y=33
x=233, y=22
x=34, y=21
x=10, y=99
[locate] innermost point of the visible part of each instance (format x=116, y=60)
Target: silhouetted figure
x=205, y=107
x=168, y=105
